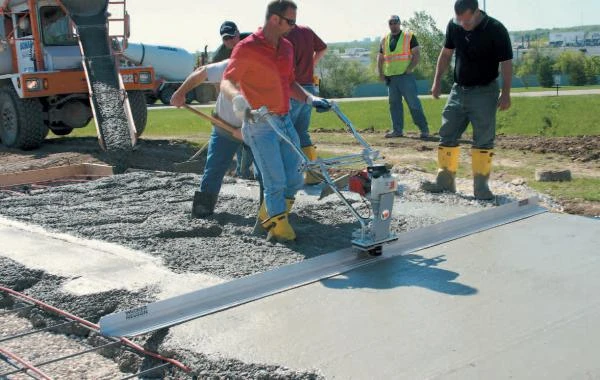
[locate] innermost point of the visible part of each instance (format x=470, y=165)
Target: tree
x=431, y=40
x=339, y=77
x=545, y=72
x=573, y=64
x=592, y=69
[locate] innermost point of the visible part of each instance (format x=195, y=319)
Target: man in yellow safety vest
x=398, y=56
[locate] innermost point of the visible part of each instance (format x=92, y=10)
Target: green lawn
x=562, y=88
x=554, y=116
x=559, y=116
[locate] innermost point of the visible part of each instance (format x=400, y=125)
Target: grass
x=558, y=116
x=568, y=116
x=562, y=88
x=580, y=188
x=172, y=123
x=565, y=116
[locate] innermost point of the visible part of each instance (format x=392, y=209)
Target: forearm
x=416, y=57
x=298, y=93
x=506, y=68
x=380, y=64
x=442, y=65
x=229, y=89
x=318, y=56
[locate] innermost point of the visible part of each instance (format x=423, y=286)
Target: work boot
x=204, y=204
x=447, y=167
x=393, y=134
x=263, y=215
x=311, y=153
x=279, y=229
x=482, y=167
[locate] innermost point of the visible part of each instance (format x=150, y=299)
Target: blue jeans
x=244, y=162
x=405, y=86
x=277, y=161
x=477, y=105
x=221, y=149
x=300, y=114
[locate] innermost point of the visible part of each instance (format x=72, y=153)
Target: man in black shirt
x=230, y=35
x=482, y=45
x=399, y=55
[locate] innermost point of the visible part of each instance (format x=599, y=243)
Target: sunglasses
x=394, y=22
x=228, y=38
x=291, y=22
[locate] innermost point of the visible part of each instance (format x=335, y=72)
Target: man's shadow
x=407, y=270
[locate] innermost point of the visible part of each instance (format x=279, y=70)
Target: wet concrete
x=149, y=211
x=518, y=301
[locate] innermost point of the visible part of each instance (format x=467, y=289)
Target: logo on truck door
x=128, y=78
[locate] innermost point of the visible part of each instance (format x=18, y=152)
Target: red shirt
x=306, y=44
x=263, y=72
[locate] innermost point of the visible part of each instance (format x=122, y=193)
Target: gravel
x=150, y=212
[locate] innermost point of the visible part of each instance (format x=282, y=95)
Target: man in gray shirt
x=222, y=146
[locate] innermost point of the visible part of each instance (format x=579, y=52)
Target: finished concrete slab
x=519, y=301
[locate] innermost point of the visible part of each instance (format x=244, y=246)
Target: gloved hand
x=320, y=104
x=240, y=107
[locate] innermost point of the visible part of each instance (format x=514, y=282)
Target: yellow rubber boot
x=311, y=153
x=482, y=168
x=447, y=166
x=279, y=229
x=263, y=214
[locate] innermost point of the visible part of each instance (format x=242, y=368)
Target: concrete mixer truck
x=171, y=66
x=58, y=71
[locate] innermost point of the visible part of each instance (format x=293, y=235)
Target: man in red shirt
x=261, y=73
x=309, y=48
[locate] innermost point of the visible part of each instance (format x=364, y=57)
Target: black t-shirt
x=478, y=52
x=222, y=53
x=394, y=42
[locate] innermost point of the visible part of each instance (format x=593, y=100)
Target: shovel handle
x=235, y=132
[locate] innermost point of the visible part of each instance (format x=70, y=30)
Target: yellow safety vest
x=397, y=61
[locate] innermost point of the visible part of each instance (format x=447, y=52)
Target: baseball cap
x=394, y=18
x=228, y=29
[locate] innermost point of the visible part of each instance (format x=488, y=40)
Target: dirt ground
x=148, y=154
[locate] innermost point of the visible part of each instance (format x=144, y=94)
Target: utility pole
x=484, y=7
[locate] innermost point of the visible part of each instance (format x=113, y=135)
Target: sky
x=191, y=24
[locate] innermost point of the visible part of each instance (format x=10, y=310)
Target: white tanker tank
x=169, y=63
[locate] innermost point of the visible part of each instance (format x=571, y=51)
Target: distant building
x=567, y=39
x=360, y=55
x=592, y=39
x=358, y=52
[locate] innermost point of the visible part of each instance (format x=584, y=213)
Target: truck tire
x=166, y=94
x=139, y=110
x=21, y=121
x=150, y=98
x=190, y=97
